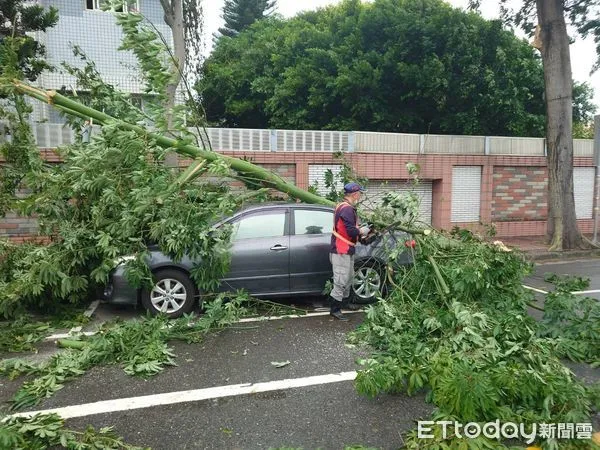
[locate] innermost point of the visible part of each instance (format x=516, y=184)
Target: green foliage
x=139, y=347
x=22, y=58
x=17, y=20
x=333, y=183
x=572, y=320
x=21, y=334
x=240, y=14
x=583, y=106
x=408, y=66
x=470, y=343
x=583, y=130
x=114, y=197
x=48, y=431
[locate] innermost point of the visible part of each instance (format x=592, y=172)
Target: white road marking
x=73, y=333
x=591, y=291
x=54, y=337
x=88, y=313
x=291, y=316
x=540, y=291
x=170, y=398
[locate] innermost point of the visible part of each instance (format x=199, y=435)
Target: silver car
x=279, y=250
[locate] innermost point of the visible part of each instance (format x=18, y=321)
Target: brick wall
x=519, y=193
x=287, y=171
x=520, y=177
x=15, y=226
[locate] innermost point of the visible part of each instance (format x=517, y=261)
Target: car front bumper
x=118, y=290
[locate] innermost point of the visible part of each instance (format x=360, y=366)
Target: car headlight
x=123, y=259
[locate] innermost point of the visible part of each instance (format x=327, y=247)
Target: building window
x=92, y=4
x=128, y=6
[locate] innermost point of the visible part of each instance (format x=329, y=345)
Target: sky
x=582, y=51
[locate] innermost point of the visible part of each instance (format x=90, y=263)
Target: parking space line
x=292, y=316
x=54, y=337
x=74, y=332
x=540, y=291
x=593, y=291
x=170, y=398
x=87, y=313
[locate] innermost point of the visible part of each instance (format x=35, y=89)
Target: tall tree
x=21, y=57
x=240, y=14
x=548, y=18
x=184, y=17
x=412, y=66
x=17, y=18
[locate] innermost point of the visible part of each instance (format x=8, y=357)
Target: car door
x=260, y=254
x=310, y=240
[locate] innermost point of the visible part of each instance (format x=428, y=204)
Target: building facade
x=84, y=24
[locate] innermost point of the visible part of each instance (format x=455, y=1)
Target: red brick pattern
x=503, y=177
x=519, y=193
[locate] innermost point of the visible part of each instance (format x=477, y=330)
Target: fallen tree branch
x=242, y=167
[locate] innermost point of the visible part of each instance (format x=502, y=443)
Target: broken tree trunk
x=245, y=170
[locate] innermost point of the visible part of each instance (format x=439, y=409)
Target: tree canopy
x=398, y=66
x=17, y=18
x=240, y=14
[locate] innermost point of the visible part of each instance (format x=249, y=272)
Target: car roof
x=268, y=205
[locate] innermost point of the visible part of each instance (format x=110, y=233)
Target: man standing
x=345, y=235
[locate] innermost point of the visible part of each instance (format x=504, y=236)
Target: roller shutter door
x=583, y=190
x=466, y=193
x=377, y=189
x=316, y=176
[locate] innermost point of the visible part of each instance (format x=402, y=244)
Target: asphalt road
x=328, y=416
x=322, y=414
x=588, y=268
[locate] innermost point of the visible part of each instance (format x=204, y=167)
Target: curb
x=544, y=255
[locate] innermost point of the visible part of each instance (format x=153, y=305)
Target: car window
x=260, y=225
x=307, y=221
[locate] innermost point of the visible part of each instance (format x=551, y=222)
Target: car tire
x=173, y=294
x=369, y=282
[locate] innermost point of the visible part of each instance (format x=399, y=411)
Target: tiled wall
x=519, y=193
x=502, y=177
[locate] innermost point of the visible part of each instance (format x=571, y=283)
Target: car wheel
x=369, y=281
x=172, y=294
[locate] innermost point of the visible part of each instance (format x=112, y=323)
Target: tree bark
x=173, y=15
x=552, y=41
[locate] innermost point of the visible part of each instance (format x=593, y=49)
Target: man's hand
x=364, y=230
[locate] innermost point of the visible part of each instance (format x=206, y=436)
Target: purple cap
x=353, y=187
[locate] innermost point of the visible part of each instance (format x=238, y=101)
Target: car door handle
x=278, y=247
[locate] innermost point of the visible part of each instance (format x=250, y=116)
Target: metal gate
x=316, y=176
x=583, y=190
x=466, y=193
x=378, y=188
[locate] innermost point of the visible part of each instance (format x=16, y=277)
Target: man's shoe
x=350, y=306
x=337, y=314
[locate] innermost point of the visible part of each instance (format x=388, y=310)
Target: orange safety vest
x=335, y=233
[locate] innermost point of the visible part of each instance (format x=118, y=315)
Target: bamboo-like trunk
x=245, y=169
